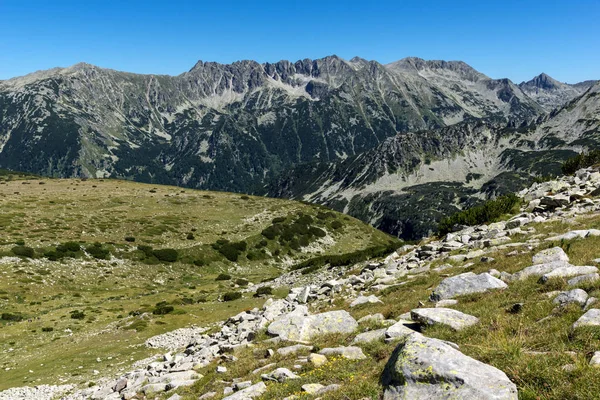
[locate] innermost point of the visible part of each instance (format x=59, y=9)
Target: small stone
x=578, y=296
x=280, y=375
x=317, y=359
x=595, y=361
x=221, y=369
x=590, y=318
x=312, y=388
x=372, y=299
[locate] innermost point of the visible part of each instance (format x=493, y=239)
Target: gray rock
x=280, y=375
x=423, y=369
x=350, y=352
x=370, y=336
x=120, y=385
x=578, y=296
x=550, y=255
x=300, y=328
x=284, y=351
x=466, y=283
x=578, y=234
x=372, y=318
x=446, y=303
x=583, y=278
x=445, y=316
x=154, y=388
x=566, y=272
x=249, y=393
x=372, y=299
x=590, y=318
x=399, y=330
x=595, y=361
x=179, y=383
x=539, y=269
x=207, y=396
x=312, y=388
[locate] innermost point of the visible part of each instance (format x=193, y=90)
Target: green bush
x=241, y=282
x=231, y=250
x=190, y=236
x=47, y=329
x=166, y=255
x=223, y=277
x=487, y=212
x=336, y=260
x=68, y=246
x=97, y=251
x=129, y=239
x=76, y=314
x=163, y=308
x=14, y=317
x=582, y=160
x=230, y=296
x=278, y=220
x=264, y=291
x=23, y=251
x=336, y=224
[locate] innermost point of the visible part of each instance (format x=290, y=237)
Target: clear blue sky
x=514, y=39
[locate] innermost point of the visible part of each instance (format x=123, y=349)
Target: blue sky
x=514, y=39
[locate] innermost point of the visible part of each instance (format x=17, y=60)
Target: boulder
x=248, y=393
x=578, y=296
x=312, y=388
x=370, y=336
x=399, y=330
x=444, y=316
x=466, y=283
x=317, y=359
x=284, y=351
x=583, y=278
x=279, y=375
x=300, y=328
x=590, y=318
x=567, y=272
x=550, y=255
x=539, y=269
x=372, y=299
x=423, y=368
x=578, y=234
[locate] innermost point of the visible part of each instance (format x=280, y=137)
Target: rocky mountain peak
x=544, y=81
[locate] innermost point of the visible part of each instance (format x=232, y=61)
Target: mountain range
x=397, y=145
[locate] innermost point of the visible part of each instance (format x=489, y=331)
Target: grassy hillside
x=92, y=268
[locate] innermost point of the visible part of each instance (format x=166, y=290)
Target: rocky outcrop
x=425, y=368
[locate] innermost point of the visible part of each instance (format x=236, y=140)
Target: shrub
x=336, y=224
x=264, y=291
x=582, y=160
x=223, y=277
x=244, y=197
x=97, y=251
x=200, y=262
x=190, y=236
x=76, y=314
x=230, y=296
x=20, y=242
x=162, y=308
x=15, y=317
x=23, y=251
x=68, y=246
x=147, y=250
x=231, y=250
x=166, y=255
x=47, y=329
x=241, y=282
x=278, y=220
x=481, y=214
x=129, y=239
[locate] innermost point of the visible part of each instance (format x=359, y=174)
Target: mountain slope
x=550, y=93
x=229, y=126
x=410, y=181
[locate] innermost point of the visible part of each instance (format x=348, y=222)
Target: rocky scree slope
x=228, y=127
x=329, y=336
x=409, y=182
